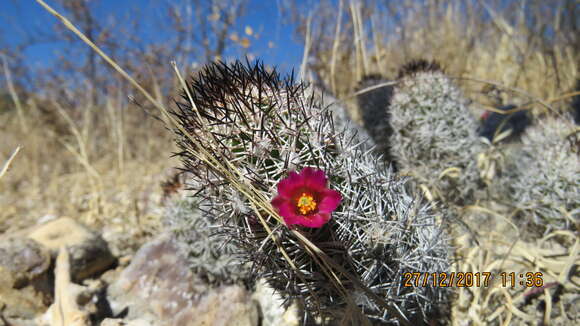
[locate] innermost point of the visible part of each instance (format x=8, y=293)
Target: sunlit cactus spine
x=264, y=127
x=434, y=134
x=342, y=120
x=545, y=183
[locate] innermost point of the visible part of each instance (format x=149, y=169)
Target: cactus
x=208, y=255
x=434, y=135
x=341, y=120
x=263, y=127
x=545, y=184
x=373, y=106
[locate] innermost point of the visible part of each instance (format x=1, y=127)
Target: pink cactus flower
x=304, y=199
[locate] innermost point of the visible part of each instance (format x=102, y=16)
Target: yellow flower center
x=306, y=203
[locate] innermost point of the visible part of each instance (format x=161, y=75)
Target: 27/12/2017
x=471, y=279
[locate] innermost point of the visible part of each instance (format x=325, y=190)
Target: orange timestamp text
x=471, y=279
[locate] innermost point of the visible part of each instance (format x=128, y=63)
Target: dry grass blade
x=564, y=96
x=335, y=46
x=13, y=94
x=304, y=64
x=492, y=213
x=103, y=55
x=511, y=89
x=370, y=89
x=497, y=20
x=9, y=161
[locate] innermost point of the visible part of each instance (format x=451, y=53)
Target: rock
x=121, y=322
x=224, y=306
x=25, y=280
x=74, y=304
x=89, y=253
x=159, y=287
x=273, y=312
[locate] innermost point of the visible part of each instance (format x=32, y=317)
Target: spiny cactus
x=342, y=120
x=434, y=135
x=546, y=176
x=208, y=255
x=263, y=127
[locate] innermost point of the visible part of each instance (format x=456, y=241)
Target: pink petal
x=315, y=221
x=287, y=186
x=313, y=182
x=288, y=212
x=307, y=172
x=330, y=201
x=314, y=179
x=278, y=201
x=294, y=219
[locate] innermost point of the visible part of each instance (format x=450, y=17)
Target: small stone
x=25, y=281
x=89, y=253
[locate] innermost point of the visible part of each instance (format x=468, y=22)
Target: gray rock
x=158, y=287
x=89, y=253
x=25, y=281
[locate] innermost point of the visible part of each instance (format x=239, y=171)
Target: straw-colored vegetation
x=102, y=162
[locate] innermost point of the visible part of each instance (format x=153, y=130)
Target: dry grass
x=489, y=58
x=103, y=165
x=99, y=164
x=500, y=249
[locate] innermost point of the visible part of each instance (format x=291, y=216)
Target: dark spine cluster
x=414, y=67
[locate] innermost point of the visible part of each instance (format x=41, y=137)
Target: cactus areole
x=304, y=199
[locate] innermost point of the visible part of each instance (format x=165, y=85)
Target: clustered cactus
x=434, y=134
x=545, y=184
x=208, y=255
x=261, y=127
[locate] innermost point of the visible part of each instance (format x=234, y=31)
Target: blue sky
x=276, y=44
